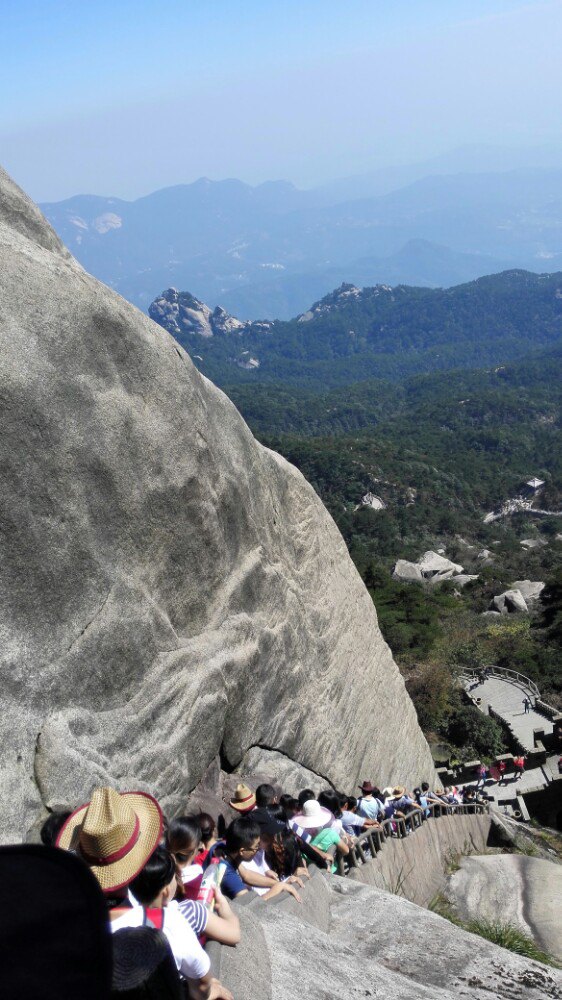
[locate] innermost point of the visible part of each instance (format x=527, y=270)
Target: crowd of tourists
x=179, y=877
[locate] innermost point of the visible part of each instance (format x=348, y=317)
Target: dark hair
x=290, y=807
x=184, y=833
x=265, y=796
x=157, y=873
x=277, y=812
x=351, y=802
x=425, y=786
x=207, y=826
x=417, y=794
x=305, y=796
x=241, y=833
x=285, y=799
x=284, y=856
x=330, y=800
x=52, y=827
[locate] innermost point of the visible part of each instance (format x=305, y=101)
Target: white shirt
x=191, y=960
x=258, y=864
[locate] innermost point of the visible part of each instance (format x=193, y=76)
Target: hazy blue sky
x=124, y=97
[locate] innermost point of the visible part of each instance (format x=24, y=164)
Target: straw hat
x=115, y=834
x=244, y=799
x=398, y=792
x=314, y=816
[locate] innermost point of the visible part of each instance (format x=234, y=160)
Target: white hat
x=314, y=816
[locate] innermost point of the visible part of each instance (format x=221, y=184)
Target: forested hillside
x=442, y=404
x=382, y=332
x=440, y=451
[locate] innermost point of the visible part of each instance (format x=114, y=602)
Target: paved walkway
x=506, y=698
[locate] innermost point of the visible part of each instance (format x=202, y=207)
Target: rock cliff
x=170, y=590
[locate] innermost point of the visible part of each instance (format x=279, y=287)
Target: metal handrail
x=373, y=838
x=505, y=672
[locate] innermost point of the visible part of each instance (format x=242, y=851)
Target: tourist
x=368, y=805
x=353, y=824
x=432, y=798
x=501, y=771
x=183, y=841
x=317, y=820
x=208, y=829
x=243, y=800
x=482, y=773
x=519, y=765
x=526, y=704
x=51, y=828
x=290, y=806
x=266, y=801
x=155, y=887
x=305, y=796
x=241, y=844
x=116, y=834
x=330, y=800
x=422, y=802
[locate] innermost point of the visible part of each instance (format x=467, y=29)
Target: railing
x=368, y=844
x=512, y=675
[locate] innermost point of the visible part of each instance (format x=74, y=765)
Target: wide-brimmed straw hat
x=313, y=816
x=115, y=834
x=398, y=792
x=243, y=799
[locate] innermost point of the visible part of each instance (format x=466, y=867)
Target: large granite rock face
x=169, y=589
x=344, y=940
x=512, y=889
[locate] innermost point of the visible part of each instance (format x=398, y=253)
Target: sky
x=122, y=98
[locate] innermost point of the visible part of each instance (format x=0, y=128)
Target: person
x=243, y=800
x=330, y=800
x=277, y=860
x=526, y=704
x=404, y=804
x=155, y=887
x=317, y=820
x=519, y=765
x=422, y=802
x=501, y=771
x=305, y=796
x=266, y=805
x=241, y=844
x=208, y=829
x=116, y=834
x=432, y=798
x=353, y=824
x=51, y=827
x=482, y=775
x=290, y=807
x=183, y=840
x=368, y=805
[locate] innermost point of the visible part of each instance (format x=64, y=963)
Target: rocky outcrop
x=346, y=939
x=181, y=314
x=530, y=590
x=431, y=568
x=514, y=889
x=169, y=589
x=510, y=602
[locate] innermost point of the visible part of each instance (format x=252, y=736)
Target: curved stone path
x=506, y=698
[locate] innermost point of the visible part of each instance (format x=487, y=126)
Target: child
x=183, y=840
x=208, y=829
x=242, y=842
x=155, y=888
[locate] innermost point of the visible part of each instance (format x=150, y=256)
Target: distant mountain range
x=381, y=332
x=268, y=251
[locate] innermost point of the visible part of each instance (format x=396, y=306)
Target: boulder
x=463, y=578
x=509, y=602
x=433, y=565
x=533, y=543
x=515, y=889
x=170, y=590
x=407, y=572
x=529, y=589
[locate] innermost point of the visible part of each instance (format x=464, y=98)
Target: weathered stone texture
x=169, y=588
